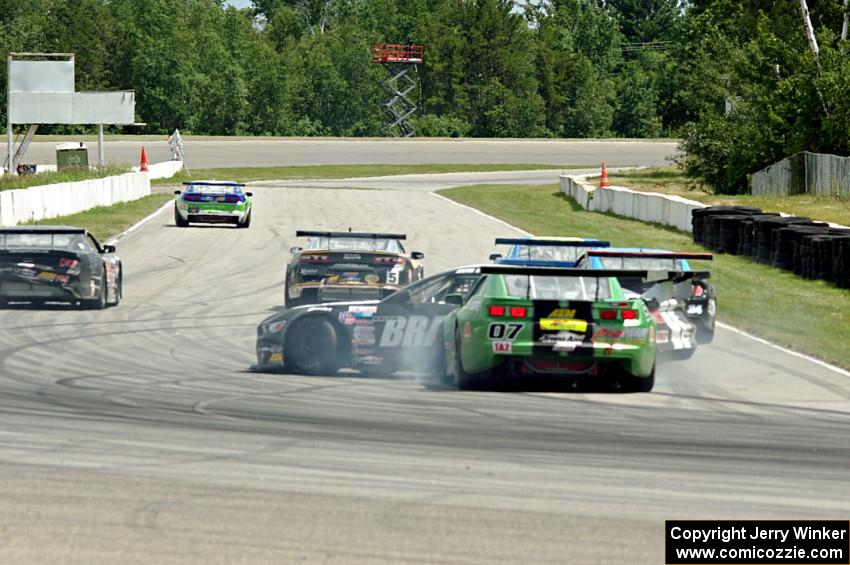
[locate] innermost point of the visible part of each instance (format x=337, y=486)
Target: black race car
x=322, y=338
x=349, y=266
x=58, y=264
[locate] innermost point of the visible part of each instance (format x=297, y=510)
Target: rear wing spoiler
x=340, y=234
x=51, y=231
x=212, y=183
x=649, y=254
x=645, y=275
x=551, y=242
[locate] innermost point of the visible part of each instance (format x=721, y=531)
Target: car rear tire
x=98, y=303
x=312, y=347
x=633, y=383
x=464, y=380
x=246, y=223
x=179, y=221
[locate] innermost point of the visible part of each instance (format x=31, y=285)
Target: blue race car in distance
x=545, y=252
x=700, y=297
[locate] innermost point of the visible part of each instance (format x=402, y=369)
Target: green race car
x=213, y=202
x=539, y=322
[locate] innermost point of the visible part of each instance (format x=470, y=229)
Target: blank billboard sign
x=41, y=76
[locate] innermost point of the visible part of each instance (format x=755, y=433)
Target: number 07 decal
x=498, y=330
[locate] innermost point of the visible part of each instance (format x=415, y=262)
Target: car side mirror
x=109, y=249
x=417, y=255
x=495, y=256
x=454, y=298
x=294, y=250
x=176, y=192
x=249, y=194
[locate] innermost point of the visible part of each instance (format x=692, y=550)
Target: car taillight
x=192, y=197
x=518, y=311
x=65, y=263
x=388, y=260
x=698, y=290
x=315, y=259
x=232, y=199
x=497, y=311
x=608, y=314
x=629, y=314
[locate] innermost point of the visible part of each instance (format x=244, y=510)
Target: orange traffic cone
x=603, y=181
x=143, y=166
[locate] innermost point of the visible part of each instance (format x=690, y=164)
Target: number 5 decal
x=497, y=330
x=392, y=277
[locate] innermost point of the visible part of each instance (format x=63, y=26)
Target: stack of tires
x=809, y=249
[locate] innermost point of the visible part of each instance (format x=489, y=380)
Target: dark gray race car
x=58, y=264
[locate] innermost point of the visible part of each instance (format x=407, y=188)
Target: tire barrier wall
x=663, y=209
x=60, y=199
x=805, y=173
x=810, y=249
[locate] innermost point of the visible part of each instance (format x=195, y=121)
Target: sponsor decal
x=500, y=331
x=563, y=341
x=351, y=256
x=295, y=292
x=502, y=347
x=467, y=330
x=346, y=318
x=410, y=331
x=370, y=360
x=362, y=312
x=695, y=309
x=309, y=271
x=47, y=276
x=562, y=313
x=363, y=335
x=320, y=309
x=276, y=358
x=559, y=324
x=372, y=278
x=662, y=336
x=62, y=279
x=625, y=334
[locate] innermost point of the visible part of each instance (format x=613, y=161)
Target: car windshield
x=564, y=253
x=557, y=288
x=41, y=241
x=213, y=189
x=356, y=244
x=639, y=263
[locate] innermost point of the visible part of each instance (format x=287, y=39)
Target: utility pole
x=846, y=22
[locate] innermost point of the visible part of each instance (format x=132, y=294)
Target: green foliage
x=446, y=125
x=783, y=100
x=560, y=68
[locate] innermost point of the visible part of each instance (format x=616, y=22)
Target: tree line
x=736, y=80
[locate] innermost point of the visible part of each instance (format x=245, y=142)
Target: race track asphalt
x=138, y=435
x=259, y=152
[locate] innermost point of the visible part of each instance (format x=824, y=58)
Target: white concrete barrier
x=60, y=199
x=164, y=170
x=663, y=209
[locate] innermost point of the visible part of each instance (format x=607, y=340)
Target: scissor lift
x=399, y=60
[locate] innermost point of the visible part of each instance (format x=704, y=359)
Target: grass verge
x=245, y=174
x=807, y=316
x=670, y=180
x=10, y=182
x=108, y=221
